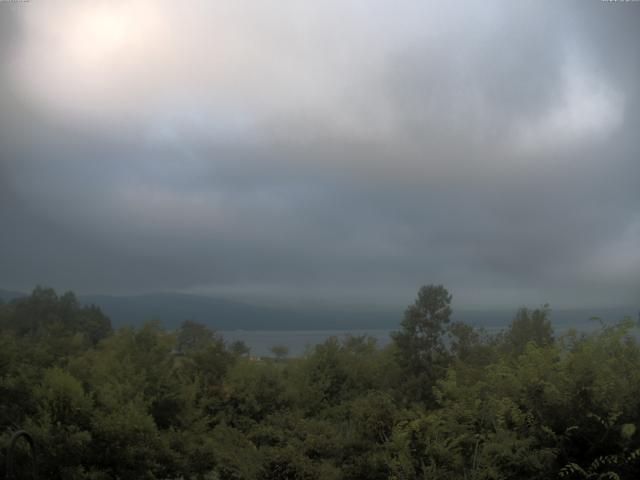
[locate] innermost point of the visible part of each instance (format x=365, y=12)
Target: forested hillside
x=442, y=401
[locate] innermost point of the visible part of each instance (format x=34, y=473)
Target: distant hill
x=171, y=309
x=220, y=314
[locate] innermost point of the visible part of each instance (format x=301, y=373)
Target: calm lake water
x=297, y=341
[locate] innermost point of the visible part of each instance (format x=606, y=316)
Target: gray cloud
x=323, y=151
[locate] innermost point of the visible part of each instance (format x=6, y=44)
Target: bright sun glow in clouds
x=94, y=34
x=84, y=50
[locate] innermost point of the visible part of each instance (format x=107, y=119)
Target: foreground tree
x=193, y=336
x=44, y=314
x=280, y=352
x=150, y=404
x=420, y=348
x=529, y=326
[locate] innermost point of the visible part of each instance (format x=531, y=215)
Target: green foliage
x=280, y=351
x=193, y=336
x=442, y=401
x=255, y=391
x=420, y=344
x=529, y=326
x=239, y=349
x=45, y=315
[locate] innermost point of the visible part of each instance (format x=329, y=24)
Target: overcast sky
x=338, y=151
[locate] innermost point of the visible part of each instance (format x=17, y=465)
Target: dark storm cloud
x=492, y=148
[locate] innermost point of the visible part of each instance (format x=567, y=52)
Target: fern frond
x=609, y=476
x=602, y=461
x=571, y=469
x=633, y=456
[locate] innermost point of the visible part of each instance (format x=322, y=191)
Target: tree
x=45, y=314
x=239, y=348
x=420, y=348
x=93, y=323
x=529, y=326
x=193, y=336
x=280, y=352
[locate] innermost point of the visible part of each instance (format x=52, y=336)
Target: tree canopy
x=442, y=401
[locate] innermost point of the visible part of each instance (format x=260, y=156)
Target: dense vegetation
x=442, y=401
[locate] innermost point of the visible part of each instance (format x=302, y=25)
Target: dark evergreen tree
x=420, y=344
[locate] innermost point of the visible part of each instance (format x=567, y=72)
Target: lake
x=297, y=341
x=260, y=341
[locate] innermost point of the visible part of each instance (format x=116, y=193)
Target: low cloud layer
x=338, y=151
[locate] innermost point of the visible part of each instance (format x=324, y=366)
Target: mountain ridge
x=171, y=309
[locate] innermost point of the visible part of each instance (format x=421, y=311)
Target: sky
x=341, y=152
